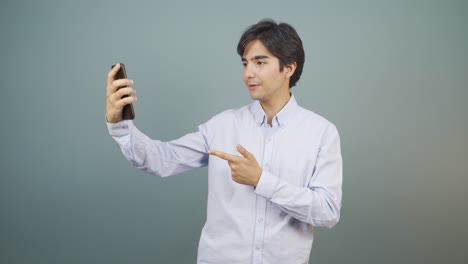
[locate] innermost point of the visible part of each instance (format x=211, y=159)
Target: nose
x=248, y=72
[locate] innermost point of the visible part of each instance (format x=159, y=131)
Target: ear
x=289, y=69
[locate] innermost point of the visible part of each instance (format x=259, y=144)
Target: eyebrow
x=258, y=57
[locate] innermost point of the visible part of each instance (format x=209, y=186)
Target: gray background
x=392, y=75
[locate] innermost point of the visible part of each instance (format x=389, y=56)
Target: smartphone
x=127, y=111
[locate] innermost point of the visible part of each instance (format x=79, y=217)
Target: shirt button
x=257, y=247
x=260, y=220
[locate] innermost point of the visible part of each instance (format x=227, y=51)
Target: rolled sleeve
x=120, y=129
x=267, y=185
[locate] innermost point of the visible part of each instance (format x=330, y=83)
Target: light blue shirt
x=300, y=186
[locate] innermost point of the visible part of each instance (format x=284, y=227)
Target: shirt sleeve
x=318, y=203
x=157, y=157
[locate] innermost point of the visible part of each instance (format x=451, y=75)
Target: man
x=274, y=168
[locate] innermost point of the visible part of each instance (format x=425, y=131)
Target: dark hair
x=281, y=40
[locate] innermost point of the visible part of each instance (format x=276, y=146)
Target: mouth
x=252, y=86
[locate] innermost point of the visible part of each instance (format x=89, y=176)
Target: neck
x=273, y=107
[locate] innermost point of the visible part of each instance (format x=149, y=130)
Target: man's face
x=262, y=74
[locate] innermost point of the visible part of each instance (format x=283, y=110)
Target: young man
x=274, y=168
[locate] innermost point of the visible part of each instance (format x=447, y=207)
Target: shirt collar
x=282, y=118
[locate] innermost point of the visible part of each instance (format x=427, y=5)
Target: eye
x=260, y=63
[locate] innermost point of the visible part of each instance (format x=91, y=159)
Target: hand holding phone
x=127, y=112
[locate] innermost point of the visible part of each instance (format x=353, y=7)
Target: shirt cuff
x=119, y=129
x=267, y=185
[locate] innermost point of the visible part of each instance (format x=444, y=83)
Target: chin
x=254, y=97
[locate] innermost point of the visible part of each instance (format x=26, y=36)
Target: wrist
x=112, y=119
x=259, y=175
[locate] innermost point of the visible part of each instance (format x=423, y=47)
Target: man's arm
x=318, y=203
x=157, y=157
x=152, y=156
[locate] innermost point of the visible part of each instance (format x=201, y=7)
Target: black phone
x=127, y=112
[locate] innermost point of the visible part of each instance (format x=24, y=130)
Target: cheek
x=279, y=75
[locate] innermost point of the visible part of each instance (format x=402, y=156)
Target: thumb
x=243, y=151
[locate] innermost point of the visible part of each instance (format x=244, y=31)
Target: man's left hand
x=244, y=169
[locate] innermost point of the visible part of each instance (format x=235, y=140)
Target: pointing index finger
x=222, y=155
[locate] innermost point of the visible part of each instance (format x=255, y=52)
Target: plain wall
x=391, y=75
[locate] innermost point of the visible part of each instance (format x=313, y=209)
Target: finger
x=243, y=151
x=111, y=74
x=126, y=91
x=117, y=84
x=125, y=101
x=120, y=94
x=223, y=155
x=119, y=103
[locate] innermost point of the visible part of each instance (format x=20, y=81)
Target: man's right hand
x=114, y=100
